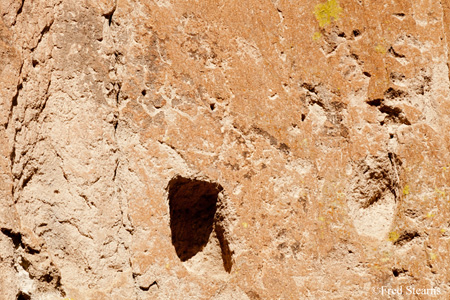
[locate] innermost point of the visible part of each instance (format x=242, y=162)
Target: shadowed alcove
x=194, y=220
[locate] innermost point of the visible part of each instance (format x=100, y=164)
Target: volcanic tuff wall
x=224, y=149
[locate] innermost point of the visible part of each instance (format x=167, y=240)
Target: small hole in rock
x=212, y=106
x=355, y=56
x=144, y=92
x=356, y=32
x=16, y=237
x=375, y=102
x=367, y=74
x=303, y=117
x=23, y=296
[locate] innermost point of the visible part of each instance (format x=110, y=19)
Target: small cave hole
x=16, y=237
x=399, y=15
x=23, y=296
x=212, y=106
x=47, y=278
x=356, y=32
x=396, y=271
x=303, y=117
x=194, y=216
x=374, y=102
x=144, y=93
x=367, y=74
x=406, y=237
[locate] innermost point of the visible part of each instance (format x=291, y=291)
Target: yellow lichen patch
x=316, y=36
x=244, y=224
x=433, y=256
x=380, y=49
x=430, y=214
x=440, y=192
x=443, y=230
x=406, y=190
x=326, y=12
x=393, y=236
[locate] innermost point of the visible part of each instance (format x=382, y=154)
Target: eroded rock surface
x=176, y=149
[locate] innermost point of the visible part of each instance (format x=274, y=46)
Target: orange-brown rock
x=169, y=149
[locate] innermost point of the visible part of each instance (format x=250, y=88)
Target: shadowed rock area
x=193, y=205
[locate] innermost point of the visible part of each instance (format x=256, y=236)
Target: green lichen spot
x=440, y=192
x=326, y=12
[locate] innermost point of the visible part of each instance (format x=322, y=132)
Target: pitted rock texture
x=168, y=149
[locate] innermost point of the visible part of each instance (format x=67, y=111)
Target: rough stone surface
x=181, y=149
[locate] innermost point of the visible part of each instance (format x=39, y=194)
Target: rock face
x=169, y=149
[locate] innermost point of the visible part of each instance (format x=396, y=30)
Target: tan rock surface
x=174, y=149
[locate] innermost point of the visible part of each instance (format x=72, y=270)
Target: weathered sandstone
x=183, y=149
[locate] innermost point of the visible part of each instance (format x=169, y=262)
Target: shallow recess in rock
x=194, y=216
x=374, y=194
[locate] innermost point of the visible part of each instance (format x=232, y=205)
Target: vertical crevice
x=14, y=102
x=119, y=87
x=224, y=247
x=115, y=171
x=109, y=15
x=11, y=121
x=395, y=163
x=19, y=11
